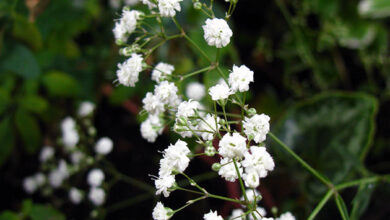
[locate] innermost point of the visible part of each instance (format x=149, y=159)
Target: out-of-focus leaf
x=342, y=207
x=6, y=139
x=27, y=206
x=61, y=84
x=22, y=62
x=325, y=8
x=44, y=212
x=332, y=132
x=8, y=215
x=34, y=103
x=28, y=129
x=354, y=36
x=4, y=100
x=27, y=32
x=361, y=200
x=374, y=8
x=121, y=94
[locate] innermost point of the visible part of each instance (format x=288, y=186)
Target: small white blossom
x=166, y=92
x=95, y=177
x=86, y=108
x=228, y=170
x=195, y=90
x=232, y=146
x=209, y=126
x=151, y=128
x=260, y=213
x=217, y=32
x=131, y=2
x=237, y=214
x=212, y=216
x=174, y=158
x=252, y=195
x=126, y=24
x=75, y=195
x=152, y=104
x=103, y=146
x=240, y=78
x=251, y=179
x=163, y=183
x=30, y=185
x=129, y=70
x=58, y=175
x=47, y=153
x=168, y=8
x=187, y=109
x=258, y=160
x=161, y=213
x=40, y=179
x=257, y=127
x=219, y=92
x=70, y=137
x=120, y=32
x=286, y=216
x=97, y=196
x=161, y=71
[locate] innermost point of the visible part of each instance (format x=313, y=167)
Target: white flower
x=232, y=146
x=129, y=70
x=76, y=157
x=209, y=125
x=195, y=90
x=161, y=71
x=97, y=196
x=251, y=179
x=152, y=104
x=260, y=213
x=228, y=170
x=149, y=3
x=95, y=177
x=286, y=216
x=47, y=153
x=70, y=137
x=131, y=2
x=85, y=108
x=236, y=214
x=30, y=185
x=161, y=213
x=240, y=78
x=58, y=175
x=251, y=194
x=168, y=8
x=212, y=216
x=151, y=128
x=257, y=127
x=75, y=195
x=166, y=92
x=187, y=109
x=163, y=183
x=127, y=24
x=40, y=179
x=217, y=32
x=219, y=92
x=258, y=160
x=174, y=158
x=103, y=146
x=120, y=32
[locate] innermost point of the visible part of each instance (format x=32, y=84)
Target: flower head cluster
x=129, y=70
x=168, y=8
x=70, y=137
x=195, y=91
x=212, y=215
x=126, y=24
x=161, y=71
x=217, y=32
x=257, y=127
x=240, y=78
x=161, y=213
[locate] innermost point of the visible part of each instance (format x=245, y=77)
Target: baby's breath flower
x=47, y=153
x=251, y=179
x=161, y=71
x=168, y=8
x=129, y=70
x=220, y=92
x=252, y=195
x=161, y=213
x=152, y=104
x=166, y=92
x=163, y=184
x=258, y=160
x=228, y=170
x=195, y=90
x=212, y=216
x=151, y=128
x=97, y=196
x=240, y=78
x=76, y=157
x=257, y=127
x=75, y=195
x=286, y=216
x=260, y=213
x=217, y=32
x=70, y=137
x=232, y=146
x=95, y=177
x=85, y=108
x=187, y=109
x=174, y=158
x=209, y=126
x=30, y=185
x=103, y=146
x=149, y=3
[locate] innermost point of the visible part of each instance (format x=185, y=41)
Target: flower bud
x=274, y=210
x=216, y=167
x=251, y=112
x=210, y=151
x=198, y=5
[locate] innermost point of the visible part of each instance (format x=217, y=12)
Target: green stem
x=240, y=180
x=320, y=205
x=190, y=202
x=301, y=161
x=196, y=72
x=357, y=182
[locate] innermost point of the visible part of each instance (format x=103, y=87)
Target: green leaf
x=4, y=100
x=342, y=207
x=45, y=212
x=6, y=139
x=332, y=132
x=34, y=103
x=61, y=84
x=27, y=32
x=22, y=62
x=8, y=215
x=361, y=200
x=28, y=129
x=374, y=8
x=27, y=206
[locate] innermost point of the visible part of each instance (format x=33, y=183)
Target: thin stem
x=190, y=202
x=357, y=182
x=129, y=202
x=301, y=161
x=193, y=183
x=240, y=180
x=320, y=205
x=196, y=72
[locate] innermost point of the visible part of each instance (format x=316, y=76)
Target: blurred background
x=322, y=73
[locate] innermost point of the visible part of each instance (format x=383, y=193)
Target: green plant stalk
x=357, y=182
x=320, y=205
x=196, y=72
x=301, y=161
